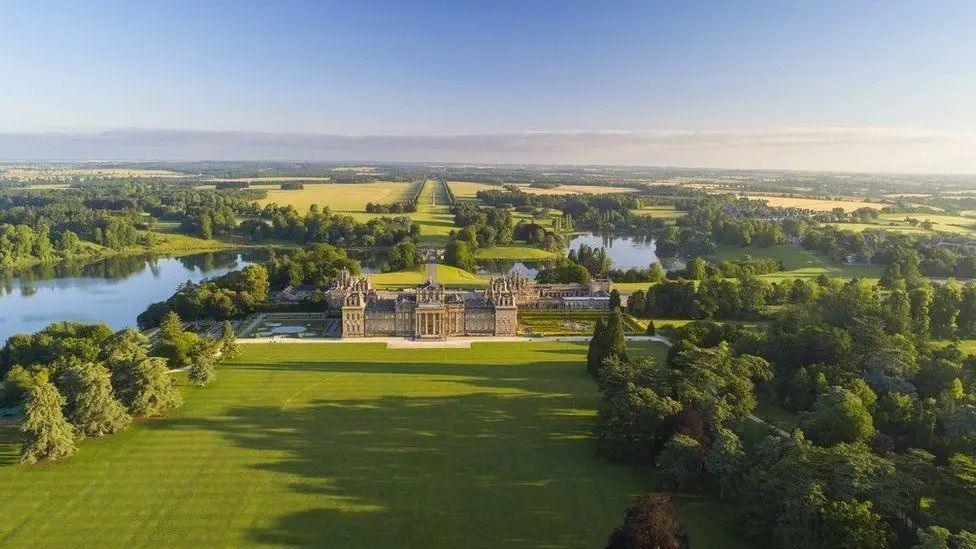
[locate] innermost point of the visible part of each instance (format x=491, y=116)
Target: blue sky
x=435, y=69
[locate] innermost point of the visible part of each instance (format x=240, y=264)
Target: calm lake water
x=626, y=252
x=113, y=291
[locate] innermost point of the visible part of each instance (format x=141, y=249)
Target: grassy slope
x=799, y=263
x=446, y=274
x=352, y=446
x=515, y=251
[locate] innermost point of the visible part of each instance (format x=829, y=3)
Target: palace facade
x=431, y=311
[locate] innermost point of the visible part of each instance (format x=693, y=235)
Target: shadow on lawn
x=510, y=464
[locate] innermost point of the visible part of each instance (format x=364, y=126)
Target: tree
x=945, y=309
x=458, y=253
x=651, y=330
x=655, y=273
x=680, y=462
x=649, y=523
x=920, y=298
x=608, y=341
x=174, y=343
x=697, y=269
x=203, y=362
x=838, y=416
x=898, y=313
x=853, y=525
x=228, y=342
x=146, y=388
x=597, y=349
x=47, y=434
x=631, y=421
x=726, y=459
x=966, y=320
x=614, y=299
x=402, y=256
x=91, y=406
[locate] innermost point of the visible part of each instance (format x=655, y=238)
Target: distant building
x=431, y=311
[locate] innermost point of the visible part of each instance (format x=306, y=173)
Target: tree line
x=78, y=380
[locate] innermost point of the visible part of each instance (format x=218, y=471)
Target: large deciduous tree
x=838, y=416
x=650, y=523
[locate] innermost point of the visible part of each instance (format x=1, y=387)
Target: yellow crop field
x=350, y=198
x=267, y=179
x=578, y=189
x=466, y=190
x=817, y=204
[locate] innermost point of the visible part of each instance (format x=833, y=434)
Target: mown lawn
x=548, y=322
x=446, y=274
x=352, y=445
x=799, y=263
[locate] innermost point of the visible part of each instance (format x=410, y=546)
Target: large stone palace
x=431, y=311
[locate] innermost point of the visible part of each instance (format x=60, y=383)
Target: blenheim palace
x=431, y=311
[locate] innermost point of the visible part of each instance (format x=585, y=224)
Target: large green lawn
x=351, y=446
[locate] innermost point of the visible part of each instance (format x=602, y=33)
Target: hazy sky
x=820, y=85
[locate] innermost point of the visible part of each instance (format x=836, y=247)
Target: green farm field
x=799, y=263
x=353, y=445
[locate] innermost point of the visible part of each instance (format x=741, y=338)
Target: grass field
x=352, y=445
x=466, y=190
x=345, y=198
x=897, y=222
x=446, y=274
x=799, y=263
x=578, y=189
x=663, y=212
x=817, y=204
x=515, y=252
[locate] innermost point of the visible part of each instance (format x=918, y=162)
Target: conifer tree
x=228, y=342
x=91, y=406
x=651, y=329
x=47, y=435
x=147, y=389
x=203, y=362
x=597, y=348
x=616, y=342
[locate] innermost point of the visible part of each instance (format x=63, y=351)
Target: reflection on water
x=113, y=290
x=626, y=252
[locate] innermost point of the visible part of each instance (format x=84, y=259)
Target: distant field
x=260, y=179
x=578, y=189
x=897, y=222
x=466, y=190
x=339, y=197
x=799, y=263
x=515, y=252
x=823, y=205
x=663, y=212
x=38, y=173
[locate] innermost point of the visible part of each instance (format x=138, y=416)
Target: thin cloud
x=815, y=148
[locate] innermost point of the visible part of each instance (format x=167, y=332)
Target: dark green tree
x=838, y=416
x=90, y=404
x=47, y=434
